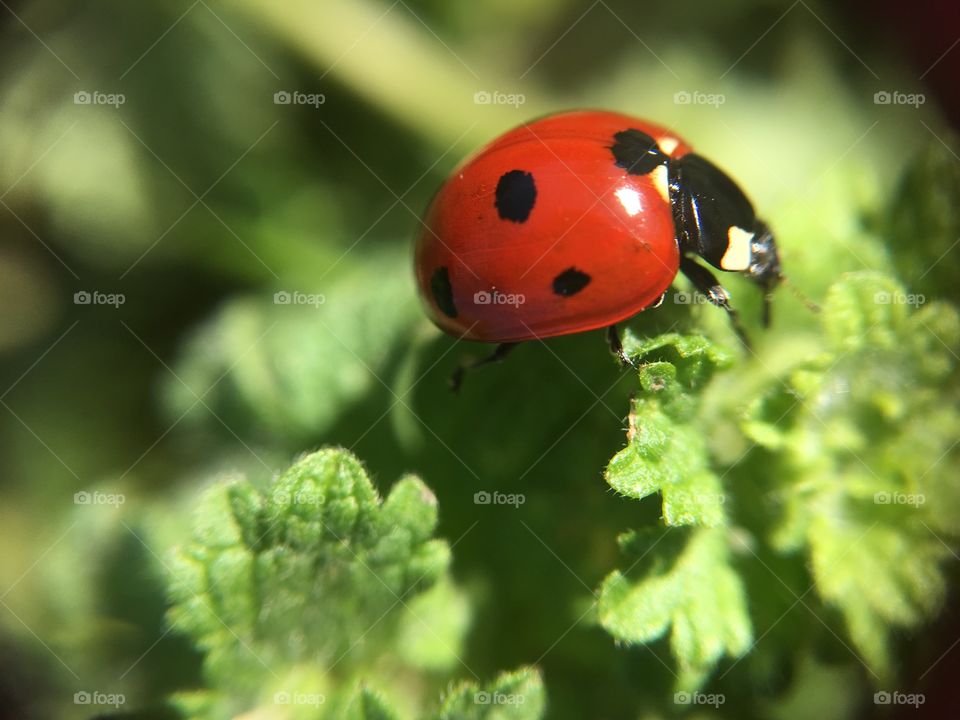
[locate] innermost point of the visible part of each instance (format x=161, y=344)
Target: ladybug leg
x=502, y=350
x=616, y=347
x=704, y=281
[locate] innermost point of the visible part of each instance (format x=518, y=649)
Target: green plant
x=320, y=599
x=775, y=533
x=295, y=577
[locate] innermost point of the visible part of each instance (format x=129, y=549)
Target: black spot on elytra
x=636, y=152
x=443, y=292
x=570, y=282
x=515, y=196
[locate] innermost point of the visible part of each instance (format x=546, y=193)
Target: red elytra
x=486, y=274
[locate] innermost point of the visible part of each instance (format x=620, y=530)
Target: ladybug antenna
x=766, y=273
x=799, y=295
x=767, y=303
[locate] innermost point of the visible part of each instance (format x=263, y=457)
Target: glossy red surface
x=589, y=214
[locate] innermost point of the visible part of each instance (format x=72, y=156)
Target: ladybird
x=578, y=221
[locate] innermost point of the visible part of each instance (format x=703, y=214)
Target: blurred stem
x=412, y=74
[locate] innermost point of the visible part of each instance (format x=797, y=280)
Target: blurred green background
x=147, y=161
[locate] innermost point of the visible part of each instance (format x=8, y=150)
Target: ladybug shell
x=542, y=233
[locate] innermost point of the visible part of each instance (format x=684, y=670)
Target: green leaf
x=686, y=584
x=316, y=570
x=368, y=705
x=517, y=695
x=667, y=451
x=291, y=368
x=449, y=610
x=879, y=573
x=818, y=690
x=699, y=599
x=921, y=224
x=200, y=704
x=862, y=439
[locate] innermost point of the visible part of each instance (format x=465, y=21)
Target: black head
x=764, y=269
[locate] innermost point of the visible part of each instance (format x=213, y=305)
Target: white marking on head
x=630, y=199
x=739, y=252
x=668, y=145
x=661, y=181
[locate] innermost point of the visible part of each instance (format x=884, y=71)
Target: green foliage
x=313, y=581
x=512, y=696
x=861, y=440
x=859, y=437
x=818, y=690
x=667, y=449
x=923, y=211
x=290, y=369
x=749, y=502
x=699, y=598
x=367, y=705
